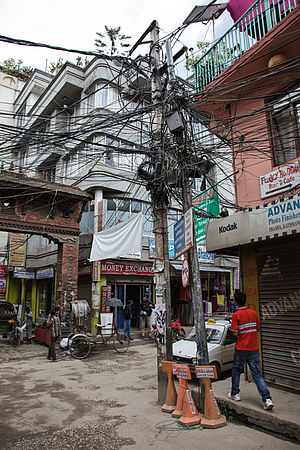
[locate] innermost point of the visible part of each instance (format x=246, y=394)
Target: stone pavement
x=284, y=419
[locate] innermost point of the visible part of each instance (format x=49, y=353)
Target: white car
x=220, y=345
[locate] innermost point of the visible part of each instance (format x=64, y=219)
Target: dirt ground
x=107, y=401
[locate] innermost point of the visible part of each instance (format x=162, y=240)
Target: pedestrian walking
x=146, y=311
x=127, y=321
x=245, y=325
x=28, y=319
x=53, y=323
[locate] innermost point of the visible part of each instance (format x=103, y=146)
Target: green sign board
x=208, y=202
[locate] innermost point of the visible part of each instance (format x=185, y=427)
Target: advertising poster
x=208, y=202
x=3, y=282
x=17, y=250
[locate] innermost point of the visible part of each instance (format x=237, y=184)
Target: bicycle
x=14, y=335
x=80, y=345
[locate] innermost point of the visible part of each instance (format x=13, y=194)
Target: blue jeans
x=253, y=360
x=127, y=328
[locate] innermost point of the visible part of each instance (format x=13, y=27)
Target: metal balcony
x=249, y=29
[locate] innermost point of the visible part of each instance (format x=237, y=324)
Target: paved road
x=107, y=401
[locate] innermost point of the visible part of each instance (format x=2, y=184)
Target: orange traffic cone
x=212, y=417
x=183, y=384
x=190, y=415
x=170, y=403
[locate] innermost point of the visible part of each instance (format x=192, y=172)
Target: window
x=87, y=218
x=109, y=156
x=63, y=122
x=71, y=166
x=285, y=126
x=118, y=210
x=47, y=174
x=102, y=96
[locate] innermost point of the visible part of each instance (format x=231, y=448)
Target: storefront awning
x=204, y=269
x=272, y=220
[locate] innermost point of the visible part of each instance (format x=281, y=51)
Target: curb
x=266, y=420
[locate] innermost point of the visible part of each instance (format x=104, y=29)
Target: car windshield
x=213, y=335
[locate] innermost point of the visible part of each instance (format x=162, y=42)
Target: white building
x=89, y=128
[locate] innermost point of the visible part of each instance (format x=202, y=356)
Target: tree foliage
x=202, y=49
x=112, y=41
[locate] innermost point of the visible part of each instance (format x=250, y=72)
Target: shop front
x=217, y=289
x=268, y=239
x=45, y=291
x=125, y=280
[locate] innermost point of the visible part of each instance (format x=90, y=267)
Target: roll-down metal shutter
x=278, y=264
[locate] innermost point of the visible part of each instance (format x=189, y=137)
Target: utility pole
x=192, y=253
x=160, y=208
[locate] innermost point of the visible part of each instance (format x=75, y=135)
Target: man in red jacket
x=245, y=325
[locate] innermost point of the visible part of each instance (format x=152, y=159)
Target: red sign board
x=105, y=295
x=3, y=274
x=185, y=273
x=125, y=268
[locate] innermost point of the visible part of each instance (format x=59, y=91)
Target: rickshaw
x=8, y=322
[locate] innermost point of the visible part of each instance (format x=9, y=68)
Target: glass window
x=111, y=207
x=101, y=95
x=285, y=126
x=123, y=210
x=87, y=218
x=109, y=155
x=136, y=206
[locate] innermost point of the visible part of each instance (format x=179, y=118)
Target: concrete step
x=283, y=420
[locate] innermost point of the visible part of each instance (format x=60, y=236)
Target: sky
x=73, y=24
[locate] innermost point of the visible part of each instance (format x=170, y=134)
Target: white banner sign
x=274, y=220
x=280, y=180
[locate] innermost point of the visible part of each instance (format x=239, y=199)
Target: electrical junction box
x=174, y=122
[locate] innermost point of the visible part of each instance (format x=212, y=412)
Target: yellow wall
x=96, y=299
x=250, y=281
x=34, y=299
x=13, y=289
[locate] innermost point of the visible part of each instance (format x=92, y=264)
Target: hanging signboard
x=208, y=202
x=152, y=248
x=48, y=272
x=17, y=250
x=185, y=273
x=105, y=295
x=280, y=180
x=21, y=272
x=204, y=256
x=183, y=233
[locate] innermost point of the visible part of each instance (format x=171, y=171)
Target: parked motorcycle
x=178, y=332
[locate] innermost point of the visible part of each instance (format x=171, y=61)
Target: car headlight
x=194, y=361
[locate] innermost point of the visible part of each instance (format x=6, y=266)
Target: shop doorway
x=133, y=293
x=45, y=298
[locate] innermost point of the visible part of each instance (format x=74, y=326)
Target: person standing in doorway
x=28, y=319
x=53, y=323
x=146, y=311
x=244, y=326
x=127, y=321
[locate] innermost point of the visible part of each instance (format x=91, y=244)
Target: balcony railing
x=250, y=28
